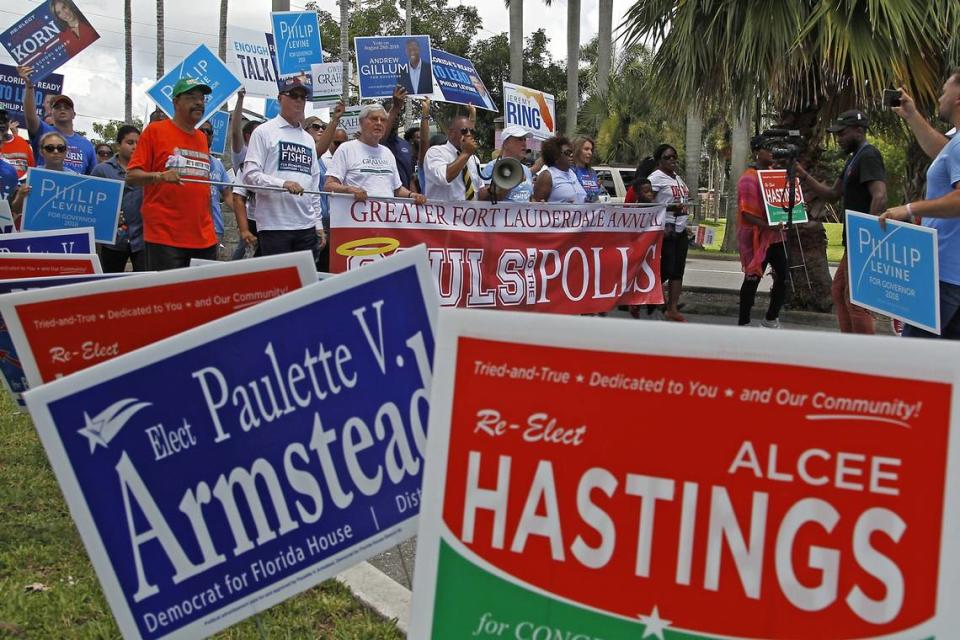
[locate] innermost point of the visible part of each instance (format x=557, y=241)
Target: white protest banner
x=219, y=472
x=250, y=58
x=59, y=331
x=531, y=109
x=777, y=485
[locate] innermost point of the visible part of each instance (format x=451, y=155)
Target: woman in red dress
x=75, y=32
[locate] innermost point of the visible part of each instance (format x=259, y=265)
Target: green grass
x=39, y=544
x=834, y=239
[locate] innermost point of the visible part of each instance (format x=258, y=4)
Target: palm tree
x=573, y=65
x=604, y=42
x=809, y=58
x=516, y=40
x=128, y=62
x=222, y=49
x=345, y=47
x=692, y=148
x=159, y=39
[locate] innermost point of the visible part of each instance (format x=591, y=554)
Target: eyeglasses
x=58, y=148
x=464, y=131
x=567, y=152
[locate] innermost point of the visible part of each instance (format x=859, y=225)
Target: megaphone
x=505, y=175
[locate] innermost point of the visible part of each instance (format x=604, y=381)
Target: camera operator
x=863, y=188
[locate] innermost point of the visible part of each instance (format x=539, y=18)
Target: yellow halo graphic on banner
x=361, y=247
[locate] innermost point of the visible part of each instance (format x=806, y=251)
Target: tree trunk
x=160, y=64
x=604, y=42
x=573, y=65
x=128, y=61
x=281, y=5
x=345, y=48
x=694, y=143
x=739, y=144
x=516, y=41
x=408, y=29
x=222, y=50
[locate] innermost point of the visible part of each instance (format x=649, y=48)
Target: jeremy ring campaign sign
x=654, y=482
x=60, y=200
x=203, y=65
x=249, y=475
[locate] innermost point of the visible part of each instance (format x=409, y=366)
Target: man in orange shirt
x=16, y=150
x=177, y=224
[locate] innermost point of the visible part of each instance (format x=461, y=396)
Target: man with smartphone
x=941, y=208
x=452, y=170
x=863, y=187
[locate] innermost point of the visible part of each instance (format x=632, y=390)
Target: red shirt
x=17, y=152
x=175, y=215
x=74, y=43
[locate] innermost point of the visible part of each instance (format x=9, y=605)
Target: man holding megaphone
x=509, y=179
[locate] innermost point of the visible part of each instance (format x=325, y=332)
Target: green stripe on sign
x=465, y=593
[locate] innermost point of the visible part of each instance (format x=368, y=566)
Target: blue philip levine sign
x=278, y=465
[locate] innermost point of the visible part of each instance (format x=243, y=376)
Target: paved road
x=722, y=274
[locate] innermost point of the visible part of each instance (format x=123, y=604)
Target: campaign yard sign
x=11, y=371
x=801, y=501
x=221, y=124
x=56, y=241
x=279, y=464
x=61, y=331
x=46, y=41
x=327, y=80
x=383, y=62
x=39, y=265
x=894, y=272
x=459, y=82
x=6, y=217
x=773, y=186
x=271, y=108
x=531, y=109
x=201, y=64
x=250, y=57
x=350, y=121
x=60, y=200
x=297, y=38
x=12, y=89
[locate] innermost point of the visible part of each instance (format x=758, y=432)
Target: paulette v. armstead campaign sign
x=219, y=472
x=15, y=265
x=748, y=498
x=78, y=240
x=549, y=257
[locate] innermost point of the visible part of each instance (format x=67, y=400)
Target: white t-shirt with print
x=373, y=169
x=670, y=191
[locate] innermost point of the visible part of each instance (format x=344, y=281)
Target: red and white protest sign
x=776, y=198
x=43, y=265
x=531, y=256
x=748, y=498
x=65, y=329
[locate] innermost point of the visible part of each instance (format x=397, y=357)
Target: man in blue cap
x=177, y=222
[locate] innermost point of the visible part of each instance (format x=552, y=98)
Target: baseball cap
x=759, y=142
x=852, y=118
x=514, y=131
x=288, y=84
x=61, y=98
x=186, y=83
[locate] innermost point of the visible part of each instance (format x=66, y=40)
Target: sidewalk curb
x=380, y=592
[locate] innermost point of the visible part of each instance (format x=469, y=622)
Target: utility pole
x=281, y=5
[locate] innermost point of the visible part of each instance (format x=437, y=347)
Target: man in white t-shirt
x=366, y=168
x=282, y=154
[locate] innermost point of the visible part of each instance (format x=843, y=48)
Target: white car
x=615, y=180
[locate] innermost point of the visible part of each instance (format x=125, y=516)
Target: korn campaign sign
x=297, y=38
x=279, y=464
x=55, y=241
x=773, y=186
x=203, y=65
x=48, y=36
x=801, y=501
x=894, y=272
x=60, y=200
x=250, y=57
x=61, y=331
x=531, y=109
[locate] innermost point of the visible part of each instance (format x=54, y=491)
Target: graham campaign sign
x=894, y=272
x=44, y=41
x=327, y=80
x=11, y=371
x=383, y=62
x=60, y=331
x=773, y=186
x=12, y=89
x=532, y=257
x=250, y=57
x=40, y=265
x=750, y=499
x=279, y=464
x=459, y=82
x=56, y=241
x=60, y=200
x=203, y=65
x=297, y=38
x=221, y=123
x=350, y=120
x=533, y=110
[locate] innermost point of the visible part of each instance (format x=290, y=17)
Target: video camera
x=784, y=143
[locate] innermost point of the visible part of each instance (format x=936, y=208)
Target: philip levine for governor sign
x=652, y=482
x=217, y=473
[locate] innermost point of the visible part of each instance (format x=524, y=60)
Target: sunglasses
x=299, y=95
x=567, y=152
x=58, y=148
x=103, y=153
x=666, y=157
x=467, y=130
x=316, y=127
